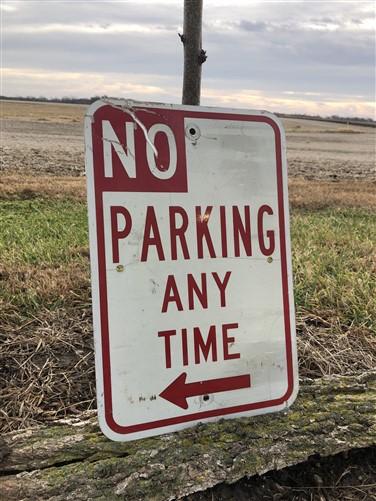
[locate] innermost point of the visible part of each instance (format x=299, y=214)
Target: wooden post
x=194, y=56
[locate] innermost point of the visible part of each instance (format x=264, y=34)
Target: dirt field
x=48, y=139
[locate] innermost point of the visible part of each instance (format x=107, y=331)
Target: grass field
x=45, y=301
x=45, y=314
x=46, y=342
x=333, y=255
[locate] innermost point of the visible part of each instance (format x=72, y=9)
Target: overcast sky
x=314, y=57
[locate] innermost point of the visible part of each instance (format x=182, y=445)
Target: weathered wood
x=75, y=461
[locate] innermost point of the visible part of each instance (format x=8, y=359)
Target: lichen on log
x=74, y=461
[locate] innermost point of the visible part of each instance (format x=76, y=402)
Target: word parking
x=237, y=224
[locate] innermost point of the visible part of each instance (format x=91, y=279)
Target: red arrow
x=178, y=391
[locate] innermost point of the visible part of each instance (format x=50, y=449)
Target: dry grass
x=315, y=195
x=337, y=129
x=327, y=348
x=33, y=286
x=42, y=112
x=49, y=360
x=24, y=187
x=303, y=194
x=48, y=366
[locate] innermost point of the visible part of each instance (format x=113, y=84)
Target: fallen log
x=72, y=460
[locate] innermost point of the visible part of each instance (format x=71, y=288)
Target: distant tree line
x=89, y=100
x=65, y=100
x=332, y=118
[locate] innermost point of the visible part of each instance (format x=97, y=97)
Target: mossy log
x=74, y=461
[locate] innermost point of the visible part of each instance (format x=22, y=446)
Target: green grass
x=333, y=255
x=334, y=264
x=38, y=232
x=42, y=263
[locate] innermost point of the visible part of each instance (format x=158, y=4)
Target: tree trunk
x=74, y=461
x=193, y=57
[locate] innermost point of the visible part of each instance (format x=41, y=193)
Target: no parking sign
x=191, y=268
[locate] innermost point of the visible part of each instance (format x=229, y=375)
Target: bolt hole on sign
x=191, y=265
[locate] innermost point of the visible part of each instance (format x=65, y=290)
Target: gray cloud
x=86, y=12
x=272, y=47
x=253, y=25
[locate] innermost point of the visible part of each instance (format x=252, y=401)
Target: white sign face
x=191, y=272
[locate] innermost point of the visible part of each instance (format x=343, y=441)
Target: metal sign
x=191, y=273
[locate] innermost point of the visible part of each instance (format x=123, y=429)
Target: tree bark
x=74, y=461
x=193, y=56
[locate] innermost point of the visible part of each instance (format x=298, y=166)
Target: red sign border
x=102, y=286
